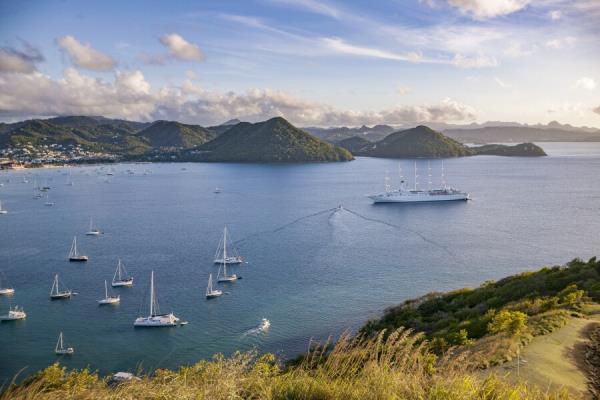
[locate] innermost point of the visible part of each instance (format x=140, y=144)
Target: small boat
x=225, y=277
x=2, y=211
x=5, y=291
x=37, y=195
x=93, y=231
x=48, y=202
x=120, y=278
x=108, y=299
x=74, y=255
x=155, y=319
x=14, y=314
x=217, y=190
x=221, y=256
x=264, y=324
x=56, y=293
x=210, y=292
x=60, y=348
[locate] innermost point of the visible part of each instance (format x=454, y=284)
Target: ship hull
x=425, y=198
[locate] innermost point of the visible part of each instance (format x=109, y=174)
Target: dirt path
x=556, y=360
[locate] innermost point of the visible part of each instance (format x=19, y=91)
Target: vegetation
x=355, y=144
x=275, y=140
x=521, y=306
x=397, y=366
x=519, y=150
x=175, y=134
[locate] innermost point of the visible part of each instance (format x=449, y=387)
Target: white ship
x=415, y=195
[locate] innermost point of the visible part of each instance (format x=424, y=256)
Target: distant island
x=85, y=139
x=424, y=142
x=463, y=344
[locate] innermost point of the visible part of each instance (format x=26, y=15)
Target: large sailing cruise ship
x=405, y=195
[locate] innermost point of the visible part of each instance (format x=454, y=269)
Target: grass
x=394, y=366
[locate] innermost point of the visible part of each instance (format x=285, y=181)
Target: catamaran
x=74, y=255
x=120, y=277
x=221, y=253
x=14, y=314
x=405, y=195
x=108, y=299
x=93, y=231
x=2, y=210
x=210, y=291
x=56, y=293
x=60, y=348
x=155, y=319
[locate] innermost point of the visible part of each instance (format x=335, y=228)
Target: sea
x=321, y=258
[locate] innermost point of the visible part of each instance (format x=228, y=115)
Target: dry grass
x=398, y=366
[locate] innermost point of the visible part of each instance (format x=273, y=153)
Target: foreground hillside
x=387, y=361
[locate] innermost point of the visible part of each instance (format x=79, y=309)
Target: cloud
x=483, y=9
x=596, y=110
x=84, y=56
x=560, y=43
x=314, y=6
x=181, y=49
x=585, y=83
x=478, y=61
x=555, y=15
x=501, y=83
x=340, y=46
x=403, y=90
x=128, y=95
x=20, y=61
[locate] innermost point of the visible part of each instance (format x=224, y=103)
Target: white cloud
x=501, y=83
x=483, y=9
x=560, y=43
x=517, y=49
x=585, y=83
x=181, y=48
x=20, y=61
x=84, y=56
x=555, y=15
x=478, y=61
x=403, y=90
x=340, y=46
x=130, y=96
x=314, y=6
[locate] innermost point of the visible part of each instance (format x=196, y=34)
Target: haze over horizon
x=317, y=63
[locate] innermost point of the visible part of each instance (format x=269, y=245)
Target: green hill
x=417, y=142
x=175, y=134
x=518, y=150
x=355, y=144
x=274, y=140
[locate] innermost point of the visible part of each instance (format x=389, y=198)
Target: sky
x=314, y=62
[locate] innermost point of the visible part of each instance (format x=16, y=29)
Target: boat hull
x=232, y=278
x=109, y=301
x=424, y=198
x=7, y=292
x=78, y=259
x=230, y=261
x=127, y=283
x=60, y=296
x=156, y=321
x=214, y=294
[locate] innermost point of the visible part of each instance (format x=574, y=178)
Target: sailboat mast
x=443, y=176
x=105, y=289
x=415, y=175
x=428, y=175
x=225, y=251
x=152, y=294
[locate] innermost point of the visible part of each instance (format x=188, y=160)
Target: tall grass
x=395, y=366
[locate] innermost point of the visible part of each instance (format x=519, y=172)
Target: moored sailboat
x=56, y=293
x=120, y=277
x=210, y=291
x=155, y=319
x=93, y=231
x=221, y=256
x=2, y=210
x=14, y=314
x=108, y=299
x=60, y=348
x=74, y=255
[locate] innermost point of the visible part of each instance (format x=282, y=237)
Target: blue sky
x=314, y=62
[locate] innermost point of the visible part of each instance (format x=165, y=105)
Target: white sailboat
x=210, y=292
x=60, y=348
x=155, y=319
x=48, y=202
x=93, y=231
x=120, y=277
x=14, y=314
x=69, y=181
x=108, y=299
x=221, y=256
x=2, y=210
x=56, y=293
x=74, y=255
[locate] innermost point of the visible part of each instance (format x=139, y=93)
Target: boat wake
x=263, y=327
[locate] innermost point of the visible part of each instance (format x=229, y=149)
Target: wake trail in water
x=419, y=234
x=282, y=227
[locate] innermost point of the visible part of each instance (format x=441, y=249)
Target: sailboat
x=69, y=181
x=74, y=255
x=225, y=277
x=224, y=259
x=48, y=202
x=5, y=291
x=56, y=293
x=93, y=231
x=120, y=278
x=60, y=348
x=210, y=292
x=155, y=319
x=108, y=299
x=2, y=211
x=14, y=314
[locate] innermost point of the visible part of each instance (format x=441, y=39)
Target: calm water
x=313, y=271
